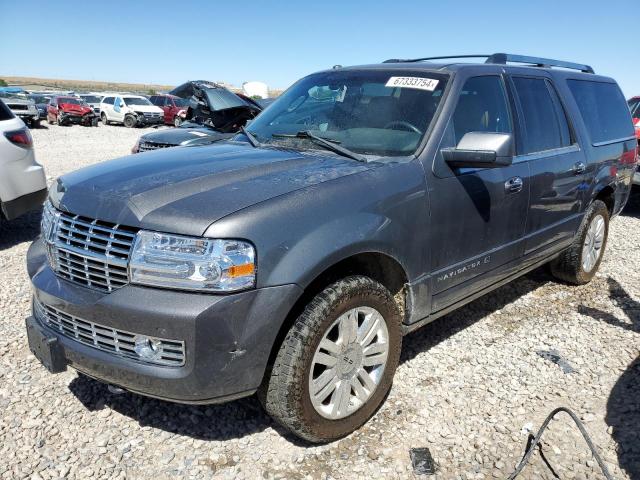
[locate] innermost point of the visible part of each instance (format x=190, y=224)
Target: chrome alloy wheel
x=349, y=363
x=592, y=248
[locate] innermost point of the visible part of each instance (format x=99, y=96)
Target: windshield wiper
x=328, y=144
x=251, y=137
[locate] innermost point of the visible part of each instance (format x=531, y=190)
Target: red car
x=175, y=108
x=66, y=110
x=634, y=106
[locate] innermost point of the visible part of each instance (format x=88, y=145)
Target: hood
x=18, y=101
x=74, y=108
x=145, y=108
x=184, y=190
x=184, y=135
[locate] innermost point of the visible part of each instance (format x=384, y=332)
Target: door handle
x=578, y=168
x=513, y=185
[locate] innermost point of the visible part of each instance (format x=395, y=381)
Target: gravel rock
x=466, y=386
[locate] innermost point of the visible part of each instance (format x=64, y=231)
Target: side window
x=544, y=127
x=482, y=107
x=108, y=100
x=154, y=99
x=167, y=102
x=603, y=109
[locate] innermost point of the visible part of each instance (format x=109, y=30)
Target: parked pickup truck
x=290, y=260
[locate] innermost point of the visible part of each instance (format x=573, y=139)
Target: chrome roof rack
x=503, y=59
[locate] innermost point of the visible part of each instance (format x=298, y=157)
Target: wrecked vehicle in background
x=42, y=102
x=130, y=110
x=213, y=113
x=23, y=108
x=66, y=110
x=93, y=100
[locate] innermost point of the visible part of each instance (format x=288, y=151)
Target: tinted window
x=603, y=109
x=5, y=113
x=108, y=100
x=544, y=122
x=482, y=107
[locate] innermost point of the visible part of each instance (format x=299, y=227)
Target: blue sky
x=278, y=42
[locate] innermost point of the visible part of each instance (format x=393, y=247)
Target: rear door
x=557, y=163
x=477, y=215
x=118, y=109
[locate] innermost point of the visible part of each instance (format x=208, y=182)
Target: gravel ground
x=470, y=387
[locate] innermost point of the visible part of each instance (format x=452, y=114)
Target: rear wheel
x=129, y=121
x=580, y=262
x=336, y=364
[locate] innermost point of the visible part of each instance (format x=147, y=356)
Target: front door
x=557, y=164
x=477, y=215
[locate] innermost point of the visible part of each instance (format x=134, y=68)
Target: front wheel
x=580, y=262
x=336, y=364
x=129, y=121
x=103, y=118
x=177, y=121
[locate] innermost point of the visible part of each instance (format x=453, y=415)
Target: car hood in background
x=185, y=135
x=75, y=108
x=184, y=190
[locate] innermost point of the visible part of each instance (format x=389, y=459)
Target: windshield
x=369, y=112
x=91, y=98
x=70, y=100
x=40, y=98
x=181, y=102
x=136, y=101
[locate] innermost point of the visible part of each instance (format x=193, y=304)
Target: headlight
x=187, y=263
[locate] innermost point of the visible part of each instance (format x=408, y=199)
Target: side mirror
x=481, y=150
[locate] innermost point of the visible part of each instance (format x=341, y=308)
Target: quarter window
x=545, y=124
x=603, y=109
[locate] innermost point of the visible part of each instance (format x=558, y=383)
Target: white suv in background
x=130, y=110
x=23, y=185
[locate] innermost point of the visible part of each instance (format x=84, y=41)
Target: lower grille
x=170, y=353
x=146, y=146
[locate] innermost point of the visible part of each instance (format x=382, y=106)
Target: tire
x=34, y=123
x=59, y=121
x=103, y=117
x=575, y=265
x=286, y=393
x=129, y=121
x=177, y=121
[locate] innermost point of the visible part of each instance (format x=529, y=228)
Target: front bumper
x=228, y=338
x=143, y=120
x=77, y=119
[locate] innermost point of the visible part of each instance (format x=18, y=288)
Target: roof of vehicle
x=495, y=62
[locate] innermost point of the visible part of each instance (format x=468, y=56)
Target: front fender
x=301, y=234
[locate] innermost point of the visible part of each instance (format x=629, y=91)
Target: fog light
x=147, y=348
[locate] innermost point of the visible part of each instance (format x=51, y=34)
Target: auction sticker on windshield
x=420, y=83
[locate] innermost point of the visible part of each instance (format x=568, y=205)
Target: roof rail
x=503, y=58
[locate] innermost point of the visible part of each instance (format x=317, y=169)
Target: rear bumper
x=228, y=338
x=21, y=205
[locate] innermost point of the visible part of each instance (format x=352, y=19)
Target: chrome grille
x=119, y=342
x=146, y=146
x=89, y=252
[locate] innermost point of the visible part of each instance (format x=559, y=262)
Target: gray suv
x=364, y=203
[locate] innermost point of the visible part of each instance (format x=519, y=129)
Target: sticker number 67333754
x=420, y=83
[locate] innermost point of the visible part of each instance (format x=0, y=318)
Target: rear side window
x=108, y=100
x=603, y=109
x=545, y=124
x=5, y=113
